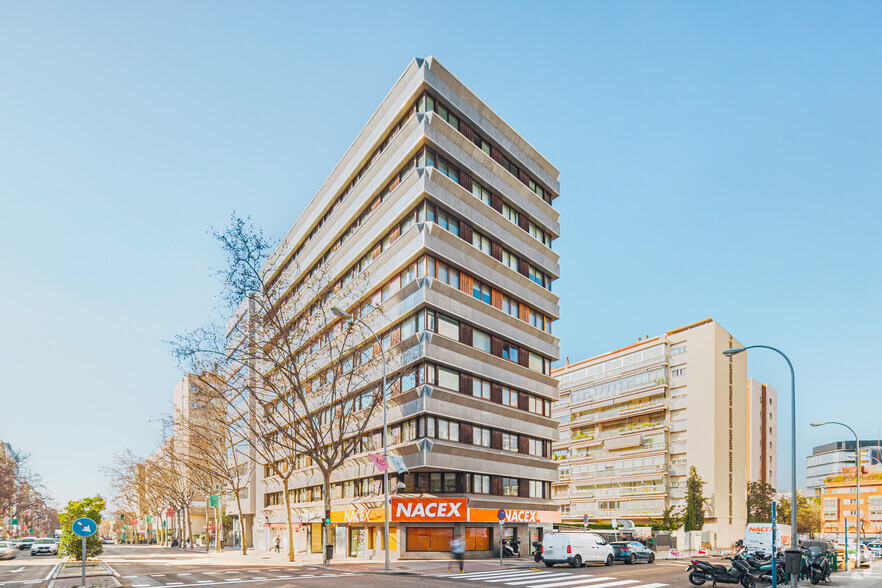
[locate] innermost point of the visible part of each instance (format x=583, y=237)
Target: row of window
x=448, y=222
x=469, y=434
x=428, y=102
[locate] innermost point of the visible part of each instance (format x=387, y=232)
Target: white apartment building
x=762, y=433
x=633, y=421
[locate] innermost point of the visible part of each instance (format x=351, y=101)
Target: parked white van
x=576, y=549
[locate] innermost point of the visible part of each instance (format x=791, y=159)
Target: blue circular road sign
x=584, y=518
x=85, y=527
x=501, y=514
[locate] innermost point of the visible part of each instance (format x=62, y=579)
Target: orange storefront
x=423, y=527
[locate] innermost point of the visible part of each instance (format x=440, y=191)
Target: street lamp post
x=343, y=314
x=857, y=478
x=736, y=351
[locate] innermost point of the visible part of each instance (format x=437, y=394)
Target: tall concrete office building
x=450, y=214
x=762, y=433
x=830, y=459
x=633, y=421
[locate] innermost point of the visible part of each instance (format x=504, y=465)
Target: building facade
x=839, y=503
x=762, y=433
x=449, y=213
x=830, y=458
x=633, y=421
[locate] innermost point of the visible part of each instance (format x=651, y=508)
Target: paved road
x=26, y=569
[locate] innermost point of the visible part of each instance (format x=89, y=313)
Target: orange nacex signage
x=429, y=509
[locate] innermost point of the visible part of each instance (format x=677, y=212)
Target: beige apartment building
x=762, y=433
x=450, y=215
x=633, y=421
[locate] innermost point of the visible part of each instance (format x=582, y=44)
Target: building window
x=509, y=397
x=481, y=340
x=477, y=539
x=448, y=327
x=509, y=486
x=509, y=352
x=448, y=379
x=678, y=349
x=429, y=539
x=481, y=242
x=481, y=436
x=678, y=371
x=480, y=484
x=481, y=389
x=509, y=442
x=448, y=430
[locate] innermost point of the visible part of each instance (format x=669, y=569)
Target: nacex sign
x=429, y=509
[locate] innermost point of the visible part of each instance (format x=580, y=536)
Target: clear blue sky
x=718, y=160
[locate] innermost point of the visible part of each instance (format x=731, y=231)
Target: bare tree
x=293, y=384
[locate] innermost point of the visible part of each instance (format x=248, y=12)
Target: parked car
x=8, y=550
x=632, y=552
x=576, y=549
x=25, y=542
x=875, y=548
x=44, y=545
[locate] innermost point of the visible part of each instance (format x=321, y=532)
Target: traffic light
x=122, y=517
x=327, y=517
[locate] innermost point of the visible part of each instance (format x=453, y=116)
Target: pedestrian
x=278, y=543
x=457, y=548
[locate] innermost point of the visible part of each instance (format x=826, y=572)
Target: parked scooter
x=702, y=571
x=817, y=564
x=511, y=548
x=761, y=566
x=537, y=550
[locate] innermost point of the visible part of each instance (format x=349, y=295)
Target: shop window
x=421, y=539
x=478, y=539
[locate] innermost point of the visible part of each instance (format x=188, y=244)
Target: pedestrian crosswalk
x=203, y=579
x=536, y=578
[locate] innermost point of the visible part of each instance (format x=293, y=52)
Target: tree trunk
x=189, y=527
x=207, y=526
x=326, y=528
x=241, y=523
x=290, y=523
x=218, y=529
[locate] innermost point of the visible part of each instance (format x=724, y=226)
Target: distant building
x=633, y=421
x=830, y=458
x=838, y=502
x=762, y=433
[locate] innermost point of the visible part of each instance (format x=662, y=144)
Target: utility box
x=329, y=551
x=793, y=561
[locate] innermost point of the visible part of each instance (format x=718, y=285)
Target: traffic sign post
x=84, y=527
x=585, y=521
x=501, y=516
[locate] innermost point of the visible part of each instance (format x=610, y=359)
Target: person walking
x=457, y=548
x=278, y=543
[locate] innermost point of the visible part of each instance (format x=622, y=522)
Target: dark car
x=632, y=552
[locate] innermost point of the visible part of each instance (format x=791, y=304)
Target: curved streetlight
x=793, y=502
x=857, y=478
x=345, y=315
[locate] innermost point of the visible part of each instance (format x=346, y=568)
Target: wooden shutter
x=496, y=485
x=496, y=393
x=465, y=283
x=496, y=202
x=523, y=401
x=465, y=384
x=496, y=250
x=465, y=433
x=523, y=312
x=524, y=488
x=465, y=232
x=524, y=445
x=465, y=180
x=496, y=299
x=496, y=439
x=524, y=357
x=523, y=178
x=496, y=346
x=546, y=450
x=395, y=336
x=396, y=232
x=377, y=250
x=376, y=349
x=495, y=154
x=466, y=130
x=394, y=183
x=523, y=221
x=465, y=334
x=523, y=268
x=395, y=386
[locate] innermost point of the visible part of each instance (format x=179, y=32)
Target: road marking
x=530, y=575
x=22, y=568
x=532, y=579
x=179, y=583
x=137, y=576
x=142, y=585
x=52, y=571
x=209, y=581
x=189, y=574
x=602, y=585
x=579, y=580
x=162, y=575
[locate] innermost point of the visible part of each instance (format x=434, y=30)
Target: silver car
x=44, y=545
x=8, y=550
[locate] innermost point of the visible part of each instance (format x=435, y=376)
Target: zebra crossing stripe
x=602, y=585
x=531, y=575
x=532, y=579
x=576, y=580
x=494, y=574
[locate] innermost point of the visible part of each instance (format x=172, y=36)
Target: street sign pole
x=585, y=522
x=83, y=576
x=84, y=527
x=500, y=514
x=774, y=545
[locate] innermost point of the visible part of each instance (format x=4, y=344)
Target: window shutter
x=376, y=349
x=395, y=387
x=495, y=346
x=546, y=450
x=523, y=487
x=465, y=334
x=496, y=439
x=396, y=232
x=523, y=444
x=465, y=180
x=523, y=312
x=496, y=202
x=377, y=250
x=465, y=433
x=523, y=178
x=495, y=154
x=465, y=232
x=523, y=401
x=466, y=130
x=394, y=183
x=523, y=268
x=395, y=337
x=465, y=283
x=496, y=250
x=496, y=299
x=496, y=393
x=496, y=485
x=523, y=222
x=465, y=384
x=524, y=357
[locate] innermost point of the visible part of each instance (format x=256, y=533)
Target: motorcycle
x=818, y=565
x=511, y=548
x=762, y=566
x=537, y=550
x=702, y=571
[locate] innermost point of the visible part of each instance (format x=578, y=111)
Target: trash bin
x=329, y=551
x=793, y=561
x=834, y=560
